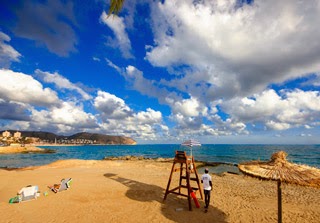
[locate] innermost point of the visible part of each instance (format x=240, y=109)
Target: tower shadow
x=143, y=192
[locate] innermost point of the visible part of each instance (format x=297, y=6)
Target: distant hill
x=38, y=134
x=97, y=138
x=104, y=139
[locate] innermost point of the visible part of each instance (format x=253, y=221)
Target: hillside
x=96, y=138
x=104, y=139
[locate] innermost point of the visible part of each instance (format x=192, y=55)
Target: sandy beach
x=19, y=149
x=133, y=191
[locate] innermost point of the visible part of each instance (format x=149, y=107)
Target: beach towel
x=25, y=194
x=64, y=185
x=28, y=193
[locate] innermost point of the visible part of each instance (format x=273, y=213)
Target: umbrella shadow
x=173, y=208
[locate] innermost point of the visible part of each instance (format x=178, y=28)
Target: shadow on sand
x=174, y=208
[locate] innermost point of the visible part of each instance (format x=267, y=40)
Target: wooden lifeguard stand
x=187, y=167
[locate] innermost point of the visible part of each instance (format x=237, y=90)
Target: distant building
x=32, y=139
x=17, y=135
x=6, y=134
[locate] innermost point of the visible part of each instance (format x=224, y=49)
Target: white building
x=17, y=135
x=6, y=134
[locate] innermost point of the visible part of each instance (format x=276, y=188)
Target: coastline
x=32, y=148
x=20, y=149
x=124, y=191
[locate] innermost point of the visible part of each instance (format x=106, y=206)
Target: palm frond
x=115, y=7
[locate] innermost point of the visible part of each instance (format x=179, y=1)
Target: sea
x=227, y=155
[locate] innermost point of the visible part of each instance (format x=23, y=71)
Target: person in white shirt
x=207, y=187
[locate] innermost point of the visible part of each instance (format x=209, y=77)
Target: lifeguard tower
x=188, y=174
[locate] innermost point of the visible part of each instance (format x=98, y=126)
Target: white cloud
x=279, y=112
x=61, y=82
x=68, y=114
x=242, y=50
x=7, y=53
x=26, y=104
x=111, y=64
x=150, y=116
x=118, y=118
x=116, y=24
x=254, y=109
x=277, y=125
x=63, y=119
x=110, y=106
x=187, y=107
x=19, y=87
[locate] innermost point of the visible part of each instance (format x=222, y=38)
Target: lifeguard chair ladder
x=187, y=167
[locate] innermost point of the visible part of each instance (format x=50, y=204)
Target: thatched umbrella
x=280, y=170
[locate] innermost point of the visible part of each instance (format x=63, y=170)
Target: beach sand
x=19, y=149
x=133, y=191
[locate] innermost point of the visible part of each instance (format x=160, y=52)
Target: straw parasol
x=280, y=170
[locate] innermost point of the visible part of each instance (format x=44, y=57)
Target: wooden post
x=168, y=185
x=197, y=178
x=180, y=179
x=279, y=202
x=188, y=187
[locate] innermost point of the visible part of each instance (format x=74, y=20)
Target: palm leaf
x=115, y=7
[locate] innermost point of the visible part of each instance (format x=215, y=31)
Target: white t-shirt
x=206, y=178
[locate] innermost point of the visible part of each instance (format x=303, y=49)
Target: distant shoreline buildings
x=7, y=138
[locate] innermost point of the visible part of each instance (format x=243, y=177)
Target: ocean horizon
x=217, y=153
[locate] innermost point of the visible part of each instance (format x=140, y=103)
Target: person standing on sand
x=207, y=187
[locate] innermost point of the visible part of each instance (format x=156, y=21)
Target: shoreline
x=20, y=149
x=55, y=145
x=102, y=187
x=199, y=164
x=33, y=148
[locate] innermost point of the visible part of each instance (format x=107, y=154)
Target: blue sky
x=222, y=71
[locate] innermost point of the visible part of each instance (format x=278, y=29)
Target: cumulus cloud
x=116, y=24
x=25, y=103
x=110, y=106
x=7, y=53
x=13, y=111
x=49, y=23
x=20, y=87
x=148, y=117
x=67, y=114
x=188, y=114
x=118, y=118
x=278, y=112
x=243, y=49
x=277, y=125
x=61, y=82
x=187, y=107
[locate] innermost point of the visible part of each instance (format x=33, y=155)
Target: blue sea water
x=232, y=154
